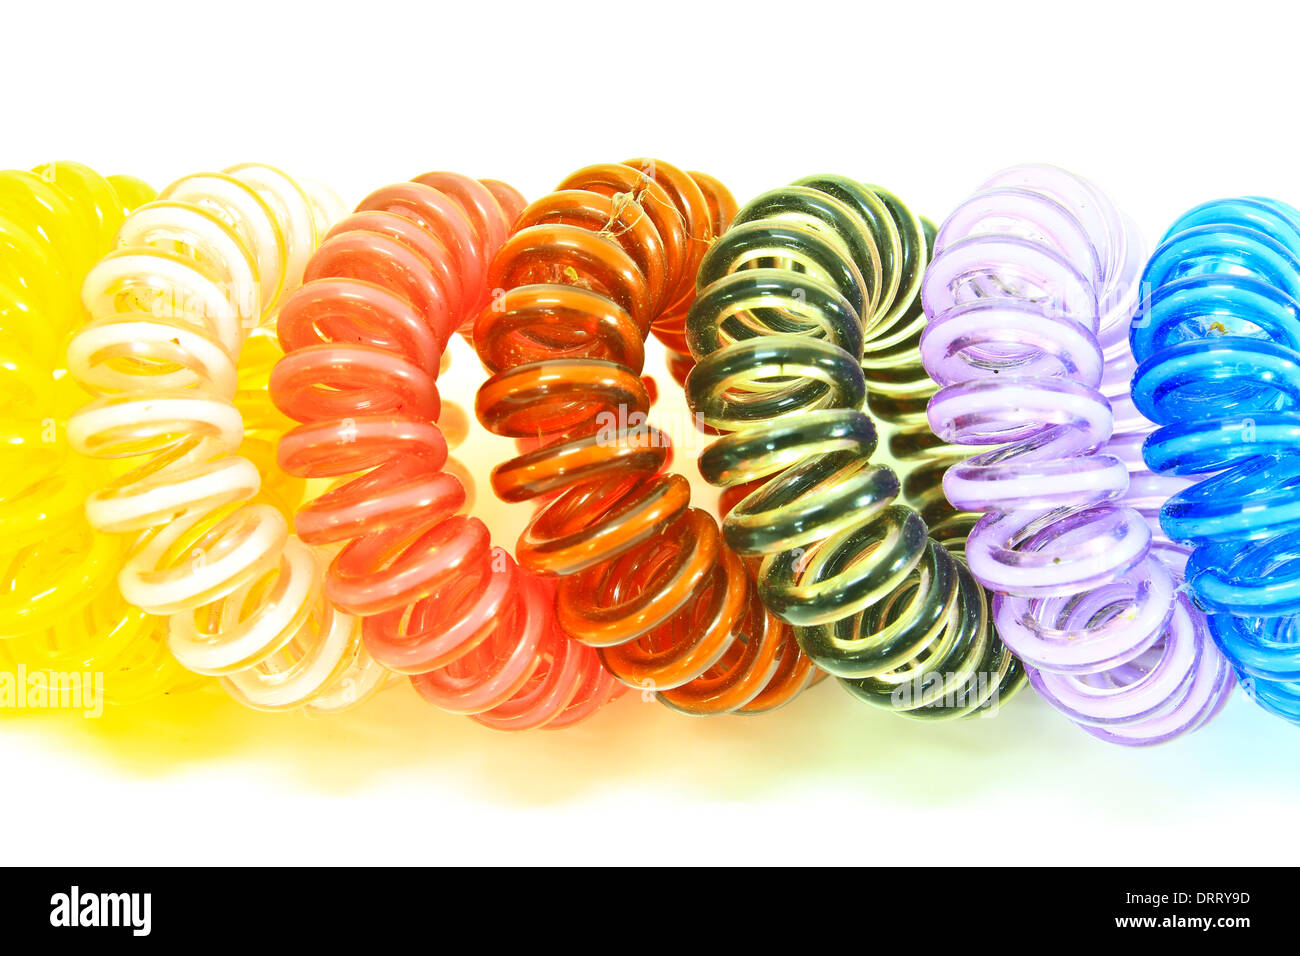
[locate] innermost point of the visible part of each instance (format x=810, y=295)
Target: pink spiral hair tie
x=1028, y=297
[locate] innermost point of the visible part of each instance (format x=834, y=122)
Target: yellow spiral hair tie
x=59, y=609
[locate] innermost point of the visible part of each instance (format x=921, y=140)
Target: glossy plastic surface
x=364, y=341
x=790, y=298
x=590, y=270
x=1218, y=339
x=58, y=603
x=1028, y=296
x=178, y=350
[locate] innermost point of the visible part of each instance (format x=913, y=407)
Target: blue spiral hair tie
x=1217, y=338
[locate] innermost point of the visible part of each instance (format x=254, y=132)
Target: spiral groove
x=57, y=603
x=1030, y=289
x=1217, y=336
x=364, y=340
x=195, y=280
x=898, y=395
x=812, y=290
x=588, y=273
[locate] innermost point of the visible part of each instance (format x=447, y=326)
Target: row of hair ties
x=178, y=369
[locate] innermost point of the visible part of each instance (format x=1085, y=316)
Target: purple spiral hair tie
x=1028, y=295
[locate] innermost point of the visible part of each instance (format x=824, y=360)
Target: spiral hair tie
x=178, y=349
x=1218, y=339
x=589, y=271
x=809, y=280
x=1028, y=298
x=365, y=338
x=57, y=602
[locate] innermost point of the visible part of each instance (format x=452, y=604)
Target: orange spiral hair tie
x=589, y=272
x=365, y=338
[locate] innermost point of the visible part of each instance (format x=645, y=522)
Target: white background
x=1163, y=105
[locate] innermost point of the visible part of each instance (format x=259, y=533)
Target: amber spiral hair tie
x=589, y=272
x=810, y=284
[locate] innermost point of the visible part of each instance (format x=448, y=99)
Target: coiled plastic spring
x=195, y=279
x=365, y=338
x=788, y=298
x=1032, y=283
x=57, y=600
x=589, y=270
x=1218, y=339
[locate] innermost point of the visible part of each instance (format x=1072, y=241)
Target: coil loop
x=590, y=270
x=1218, y=340
x=57, y=603
x=1031, y=286
x=807, y=278
x=196, y=278
x=364, y=340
